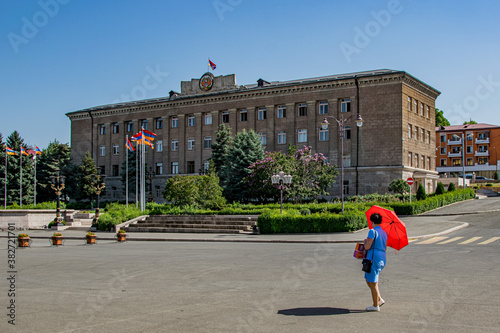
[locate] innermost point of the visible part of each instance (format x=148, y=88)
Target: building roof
x=468, y=127
x=246, y=87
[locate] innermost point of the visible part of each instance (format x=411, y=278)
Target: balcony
x=482, y=141
x=457, y=154
x=482, y=153
x=454, y=142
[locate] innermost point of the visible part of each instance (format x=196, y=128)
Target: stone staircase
x=79, y=221
x=219, y=224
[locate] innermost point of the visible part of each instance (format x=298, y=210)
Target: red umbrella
x=392, y=225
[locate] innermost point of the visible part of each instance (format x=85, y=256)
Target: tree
x=440, y=119
x=15, y=142
x=311, y=174
x=131, y=155
x=245, y=150
x=200, y=191
x=56, y=156
x=421, y=195
x=470, y=122
x=451, y=187
x=399, y=186
x=87, y=168
x=440, y=189
x=220, y=148
x=495, y=176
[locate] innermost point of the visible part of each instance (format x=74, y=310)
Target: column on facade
x=182, y=143
x=270, y=128
x=198, y=142
x=252, y=118
x=233, y=120
x=291, y=126
x=313, y=125
x=333, y=132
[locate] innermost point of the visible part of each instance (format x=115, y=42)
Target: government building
x=396, y=140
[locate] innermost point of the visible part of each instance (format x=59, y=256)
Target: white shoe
x=382, y=302
x=373, y=308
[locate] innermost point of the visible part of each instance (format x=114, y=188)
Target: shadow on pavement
x=317, y=311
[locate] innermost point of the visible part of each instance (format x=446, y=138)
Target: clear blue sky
x=79, y=54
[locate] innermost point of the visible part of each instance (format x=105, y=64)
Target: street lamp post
x=150, y=175
x=97, y=185
x=341, y=123
x=279, y=179
x=58, y=185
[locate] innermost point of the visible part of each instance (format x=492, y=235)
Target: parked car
x=482, y=178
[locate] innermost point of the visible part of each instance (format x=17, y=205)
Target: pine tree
x=84, y=178
x=220, y=148
x=55, y=157
x=14, y=141
x=440, y=188
x=245, y=151
x=421, y=195
x=131, y=155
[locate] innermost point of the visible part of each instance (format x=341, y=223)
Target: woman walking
x=376, y=243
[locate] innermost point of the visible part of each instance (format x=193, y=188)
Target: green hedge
x=432, y=202
x=116, y=213
x=292, y=221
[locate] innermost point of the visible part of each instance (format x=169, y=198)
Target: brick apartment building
x=396, y=140
x=481, y=143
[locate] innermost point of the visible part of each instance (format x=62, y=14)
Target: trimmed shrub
x=421, y=195
x=272, y=222
x=434, y=202
x=451, y=187
x=440, y=189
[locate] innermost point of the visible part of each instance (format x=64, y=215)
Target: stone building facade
x=396, y=140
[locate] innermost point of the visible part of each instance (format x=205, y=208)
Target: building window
x=144, y=124
x=422, y=109
x=102, y=129
x=174, y=167
x=346, y=187
x=159, y=123
x=482, y=160
x=323, y=135
x=410, y=159
x=409, y=104
x=323, y=107
x=281, y=111
x=422, y=162
x=116, y=149
x=443, y=150
x=443, y=137
x=429, y=163
x=443, y=161
x=225, y=117
x=416, y=133
x=263, y=138
x=456, y=162
x=116, y=128
x=243, y=115
x=470, y=161
x=415, y=104
x=261, y=115
x=422, y=134
x=470, y=136
x=208, y=118
x=456, y=150
x=191, y=120
x=409, y=131
x=482, y=136
x=428, y=137
x=115, y=171
x=158, y=192
x=190, y=166
x=347, y=160
x=159, y=146
x=302, y=110
x=482, y=149
x=102, y=150
x=190, y=143
x=345, y=105
x=347, y=132
x=428, y=112
x=416, y=160
x=208, y=142
x=130, y=126
x=175, y=122
x=159, y=168
x=469, y=149
x=175, y=144
x=302, y=135
x=281, y=137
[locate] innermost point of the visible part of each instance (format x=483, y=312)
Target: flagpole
x=136, y=177
x=126, y=170
x=143, y=173
x=34, y=183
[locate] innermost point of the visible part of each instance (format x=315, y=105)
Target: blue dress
x=376, y=253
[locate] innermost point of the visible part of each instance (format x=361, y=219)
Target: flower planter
x=91, y=239
x=57, y=240
x=121, y=237
x=23, y=242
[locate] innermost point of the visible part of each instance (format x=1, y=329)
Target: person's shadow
x=326, y=311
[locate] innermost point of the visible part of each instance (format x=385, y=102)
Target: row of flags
x=144, y=137
x=28, y=152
